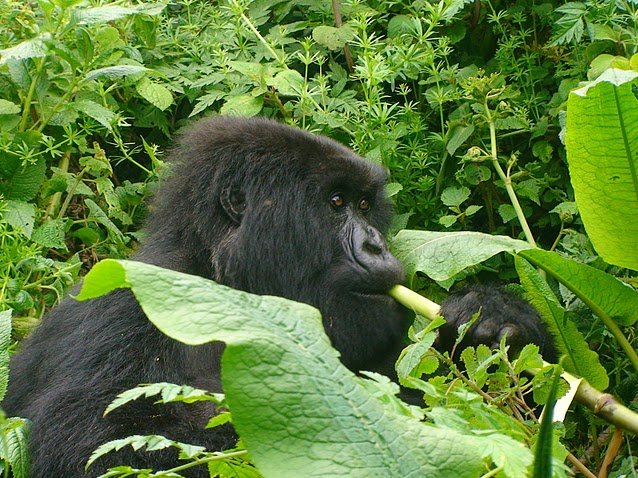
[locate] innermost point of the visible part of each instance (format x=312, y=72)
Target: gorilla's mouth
x=373, y=295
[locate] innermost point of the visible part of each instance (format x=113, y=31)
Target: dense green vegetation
x=464, y=102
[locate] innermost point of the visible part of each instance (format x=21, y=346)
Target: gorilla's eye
x=364, y=204
x=337, y=200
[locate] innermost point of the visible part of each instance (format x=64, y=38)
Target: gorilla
x=258, y=206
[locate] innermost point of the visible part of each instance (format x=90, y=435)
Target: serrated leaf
x=5, y=342
x=51, y=234
x=579, y=359
x=242, y=105
x=33, y=48
x=109, y=13
x=99, y=113
x=139, y=442
x=299, y=411
x=20, y=216
x=169, y=393
x=101, y=217
x=507, y=212
x=602, y=152
x=21, y=181
x=115, y=72
x=453, y=196
x=331, y=37
x=400, y=25
x=16, y=434
x=205, y=101
x=442, y=255
x=158, y=95
x=287, y=82
x=412, y=356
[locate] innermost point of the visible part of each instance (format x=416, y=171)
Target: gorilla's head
x=271, y=209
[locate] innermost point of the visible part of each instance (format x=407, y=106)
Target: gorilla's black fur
x=255, y=205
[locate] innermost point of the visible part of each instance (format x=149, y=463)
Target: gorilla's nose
x=374, y=243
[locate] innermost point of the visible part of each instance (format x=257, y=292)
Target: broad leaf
x=242, y=105
x=99, y=113
x=441, y=255
x=115, y=72
x=600, y=291
x=33, y=48
x=602, y=151
x=109, y=13
x=156, y=94
x=299, y=411
x=20, y=216
x=579, y=358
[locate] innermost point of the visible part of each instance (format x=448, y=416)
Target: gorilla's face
x=287, y=213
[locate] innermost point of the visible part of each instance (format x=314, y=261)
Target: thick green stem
x=507, y=180
x=54, y=202
x=416, y=302
x=602, y=404
x=26, y=108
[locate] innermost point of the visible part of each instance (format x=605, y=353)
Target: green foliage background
x=93, y=93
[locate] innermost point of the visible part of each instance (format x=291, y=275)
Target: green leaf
x=100, y=216
x=20, y=216
x=51, y=234
x=400, y=25
x=287, y=82
x=99, y=113
x=299, y=411
x=109, y=13
x=15, y=438
x=392, y=189
x=33, y=48
x=544, y=446
x=331, y=37
x=455, y=196
x=21, y=180
x=5, y=342
x=602, y=151
x=507, y=212
x=115, y=72
x=442, y=255
x=598, y=290
x=157, y=95
x=579, y=359
x=150, y=442
x=169, y=393
x=458, y=135
x=242, y=105
x=8, y=108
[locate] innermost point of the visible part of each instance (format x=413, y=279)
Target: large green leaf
x=299, y=411
x=579, y=358
x=603, y=293
x=602, y=151
x=441, y=255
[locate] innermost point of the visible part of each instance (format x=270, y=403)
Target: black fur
x=251, y=204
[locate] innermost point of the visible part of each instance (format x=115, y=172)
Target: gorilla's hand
x=500, y=314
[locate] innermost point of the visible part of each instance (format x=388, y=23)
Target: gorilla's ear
x=233, y=202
